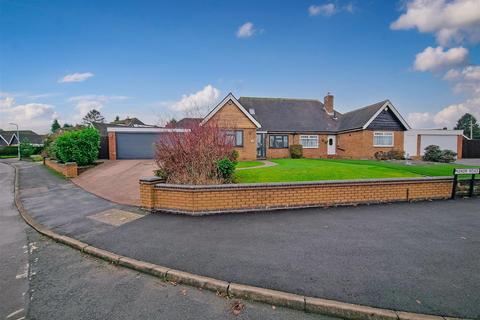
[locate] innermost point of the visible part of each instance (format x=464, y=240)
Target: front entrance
x=261, y=146
x=331, y=145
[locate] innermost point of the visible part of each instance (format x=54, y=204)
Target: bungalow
x=9, y=138
x=266, y=127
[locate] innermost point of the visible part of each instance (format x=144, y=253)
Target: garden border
x=69, y=169
x=210, y=199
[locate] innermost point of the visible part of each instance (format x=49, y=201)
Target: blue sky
x=155, y=60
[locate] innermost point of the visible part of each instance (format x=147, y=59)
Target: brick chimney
x=328, y=104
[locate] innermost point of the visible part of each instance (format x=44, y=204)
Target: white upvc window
x=309, y=142
x=383, y=139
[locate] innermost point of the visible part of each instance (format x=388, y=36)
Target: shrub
x=8, y=151
x=432, y=153
x=77, y=146
x=195, y=157
x=26, y=149
x=226, y=168
x=36, y=157
x=447, y=156
x=296, y=151
x=234, y=156
x=396, y=154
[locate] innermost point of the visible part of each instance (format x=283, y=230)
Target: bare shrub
x=192, y=157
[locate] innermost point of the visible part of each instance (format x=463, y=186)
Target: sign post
x=459, y=171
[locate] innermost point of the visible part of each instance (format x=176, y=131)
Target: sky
x=161, y=59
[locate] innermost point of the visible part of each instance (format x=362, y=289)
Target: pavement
x=58, y=282
x=419, y=257
x=122, y=174
x=469, y=162
x=13, y=251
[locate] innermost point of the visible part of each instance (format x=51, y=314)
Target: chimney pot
x=328, y=104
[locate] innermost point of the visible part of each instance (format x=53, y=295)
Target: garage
x=135, y=143
x=416, y=141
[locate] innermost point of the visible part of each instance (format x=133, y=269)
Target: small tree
x=93, y=116
x=26, y=148
x=469, y=125
x=199, y=156
x=55, y=126
x=117, y=118
x=67, y=125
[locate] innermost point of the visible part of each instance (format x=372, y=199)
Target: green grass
x=8, y=157
x=248, y=164
x=289, y=170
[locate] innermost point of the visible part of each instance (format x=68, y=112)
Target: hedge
x=79, y=146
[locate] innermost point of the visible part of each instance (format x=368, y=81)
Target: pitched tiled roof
x=24, y=134
x=279, y=114
x=129, y=122
x=356, y=119
x=305, y=115
x=187, y=123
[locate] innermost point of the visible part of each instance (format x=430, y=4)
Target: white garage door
x=444, y=142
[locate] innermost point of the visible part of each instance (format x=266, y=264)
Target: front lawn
x=289, y=170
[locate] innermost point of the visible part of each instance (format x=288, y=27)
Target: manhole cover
x=115, y=217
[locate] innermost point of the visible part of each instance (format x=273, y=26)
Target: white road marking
x=15, y=313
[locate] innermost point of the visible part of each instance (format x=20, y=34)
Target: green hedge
x=8, y=151
x=78, y=146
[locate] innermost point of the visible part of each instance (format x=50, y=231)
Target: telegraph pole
x=18, y=138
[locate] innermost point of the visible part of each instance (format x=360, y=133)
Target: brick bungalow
x=266, y=127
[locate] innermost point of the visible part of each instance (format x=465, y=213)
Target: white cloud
x=76, y=77
x=246, y=30
x=420, y=120
x=450, y=21
x=197, y=102
x=449, y=115
x=32, y=116
x=434, y=59
x=471, y=73
x=326, y=10
x=85, y=103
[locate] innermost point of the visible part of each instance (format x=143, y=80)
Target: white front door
x=331, y=145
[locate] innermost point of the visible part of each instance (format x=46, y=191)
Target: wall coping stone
x=291, y=184
x=151, y=180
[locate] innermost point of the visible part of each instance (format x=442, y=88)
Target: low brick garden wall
x=250, y=197
x=69, y=169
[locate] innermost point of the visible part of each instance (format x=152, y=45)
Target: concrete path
x=117, y=180
x=13, y=251
x=421, y=257
x=266, y=164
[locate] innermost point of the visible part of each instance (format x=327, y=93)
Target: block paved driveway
x=420, y=257
x=117, y=180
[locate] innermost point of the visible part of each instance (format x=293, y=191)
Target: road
x=419, y=257
x=61, y=283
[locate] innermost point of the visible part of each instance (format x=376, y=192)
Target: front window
x=383, y=139
x=309, y=141
x=236, y=136
x=278, y=141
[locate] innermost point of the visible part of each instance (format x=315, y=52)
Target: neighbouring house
x=185, y=123
x=266, y=127
x=129, y=122
x=9, y=138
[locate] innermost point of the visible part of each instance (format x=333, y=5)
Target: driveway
x=116, y=180
x=469, y=162
x=421, y=257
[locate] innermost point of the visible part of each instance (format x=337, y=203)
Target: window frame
x=273, y=136
x=383, y=134
x=233, y=133
x=309, y=137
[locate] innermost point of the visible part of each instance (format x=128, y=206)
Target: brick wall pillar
x=459, y=147
x=112, y=146
x=147, y=192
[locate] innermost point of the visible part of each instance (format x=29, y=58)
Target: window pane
x=239, y=138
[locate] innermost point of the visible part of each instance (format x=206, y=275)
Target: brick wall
x=69, y=170
x=112, y=146
x=359, y=144
x=225, y=198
